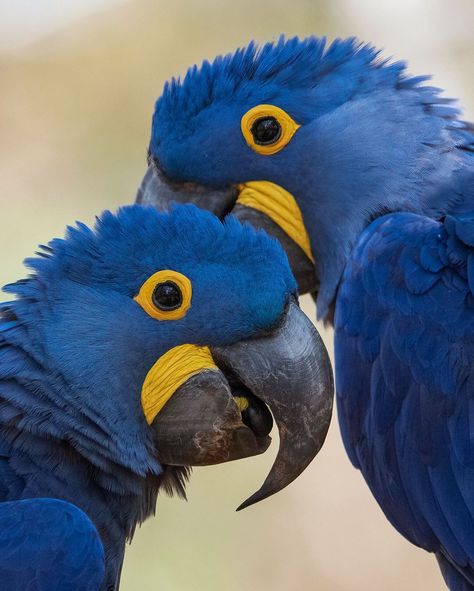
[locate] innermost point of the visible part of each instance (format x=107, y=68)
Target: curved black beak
x=221, y=415
x=156, y=189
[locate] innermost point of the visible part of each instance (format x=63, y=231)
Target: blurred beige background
x=78, y=81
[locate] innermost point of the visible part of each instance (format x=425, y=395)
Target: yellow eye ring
x=166, y=295
x=272, y=125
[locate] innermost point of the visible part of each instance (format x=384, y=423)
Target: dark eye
x=167, y=296
x=266, y=130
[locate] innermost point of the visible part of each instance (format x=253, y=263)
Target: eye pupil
x=167, y=296
x=266, y=130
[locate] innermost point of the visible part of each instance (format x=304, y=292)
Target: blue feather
x=75, y=348
x=372, y=140
x=408, y=429
x=48, y=545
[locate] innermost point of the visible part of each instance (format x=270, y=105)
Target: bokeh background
x=78, y=79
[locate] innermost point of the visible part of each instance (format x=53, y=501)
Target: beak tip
x=245, y=504
x=260, y=495
x=302, y=408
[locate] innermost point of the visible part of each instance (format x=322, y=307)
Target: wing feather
x=48, y=545
x=405, y=377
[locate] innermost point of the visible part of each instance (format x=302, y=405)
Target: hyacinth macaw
x=152, y=343
x=366, y=176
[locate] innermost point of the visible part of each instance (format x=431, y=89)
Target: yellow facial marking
x=284, y=127
x=171, y=370
x=280, y=206
x=241, y=402
x=148, y=299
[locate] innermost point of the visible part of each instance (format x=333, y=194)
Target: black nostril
x=255, y=414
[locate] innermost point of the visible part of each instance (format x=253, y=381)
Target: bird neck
x=53, y=469
x=49, y=451
x=382, y=153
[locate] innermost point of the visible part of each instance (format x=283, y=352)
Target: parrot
x=365, y=174
x=135, y=349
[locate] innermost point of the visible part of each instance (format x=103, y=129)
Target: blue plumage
x=75, y=349
x=48, y=544
x=372, y=138
x=404, y=349
x=372, y=141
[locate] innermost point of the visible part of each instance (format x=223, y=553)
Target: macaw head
x=165, y=340
x=310, y=142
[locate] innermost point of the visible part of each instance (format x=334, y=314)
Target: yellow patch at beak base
x=280, y=206
x=171, y=370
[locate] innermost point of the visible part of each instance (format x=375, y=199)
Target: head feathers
x=291, y=63
x=125, y=248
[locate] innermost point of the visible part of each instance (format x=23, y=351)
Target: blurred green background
x=78, y=81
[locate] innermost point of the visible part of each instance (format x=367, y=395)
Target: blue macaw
x=152, y=343
x=366, y=176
